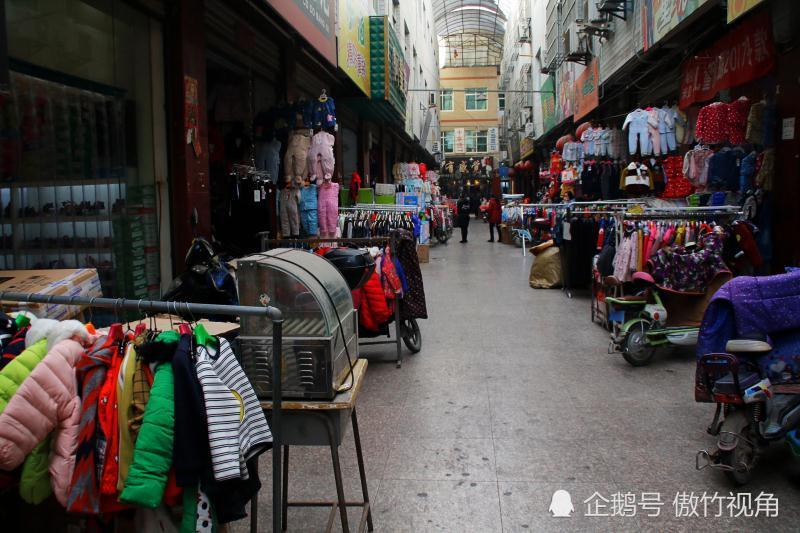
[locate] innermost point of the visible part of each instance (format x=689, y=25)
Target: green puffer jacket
x=15, y=372
x=34, y=485
x=152, y=454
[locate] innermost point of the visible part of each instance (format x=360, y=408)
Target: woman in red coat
x=495, y=215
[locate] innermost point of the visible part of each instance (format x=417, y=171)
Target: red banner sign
x=744, y=54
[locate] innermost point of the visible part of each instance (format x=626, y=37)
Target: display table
x=323, y=423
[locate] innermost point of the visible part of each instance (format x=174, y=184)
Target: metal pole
x=277, y=466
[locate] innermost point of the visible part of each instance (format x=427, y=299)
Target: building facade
x=469, y=102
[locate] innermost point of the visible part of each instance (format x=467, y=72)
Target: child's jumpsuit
x=320, y=156
x=290, y=219
x=328, y=207
x=308, y=209
x=294, y=162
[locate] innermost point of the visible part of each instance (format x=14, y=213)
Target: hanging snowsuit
x=295, y=160
x=308, y=209
x=290, y=218
x=320, y=156
x=328, y=207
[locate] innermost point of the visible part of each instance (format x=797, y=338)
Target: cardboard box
x=423, y=252
x=58, y=282
x=505, y=234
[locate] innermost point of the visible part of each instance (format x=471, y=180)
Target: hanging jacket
x=191, y=455
x=495, y=212
x=152, y=456
x=45, y=402
x=107, y=414
x=373, y=310
x=355, y=185
x=15, y=372
x=13, y=347
x=84, y=494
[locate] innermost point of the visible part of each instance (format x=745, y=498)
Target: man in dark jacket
x=495, y=215
x=463, y=208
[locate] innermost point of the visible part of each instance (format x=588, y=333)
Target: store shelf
x=61, y=183
x=59, y=219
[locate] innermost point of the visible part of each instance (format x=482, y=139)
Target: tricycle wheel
x=412, y=337
x=636, y=350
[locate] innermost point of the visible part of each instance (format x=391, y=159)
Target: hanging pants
x=328, y=208
x=290, y=217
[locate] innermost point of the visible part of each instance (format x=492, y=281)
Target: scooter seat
x=726, y=384
x=747, y=346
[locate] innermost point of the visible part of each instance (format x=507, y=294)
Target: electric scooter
x=656, y=317
x=751, y=412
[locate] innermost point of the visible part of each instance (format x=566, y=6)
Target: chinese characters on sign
x=492, y=140
x=548, y=103
x=459, y=144
x=659, y=17
x=586, y=93
x=744, y=54
x=683, y=505
x=354, y=42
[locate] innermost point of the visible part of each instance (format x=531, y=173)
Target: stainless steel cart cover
x=319, y=330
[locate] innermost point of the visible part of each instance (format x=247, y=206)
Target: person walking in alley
x=495, y=216
x=463, y=208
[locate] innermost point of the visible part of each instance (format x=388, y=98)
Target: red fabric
x=355, y=185
x=494, y=211
x=391, y=281
x=748, y=244
x=423, y=171
x=711, y=123
x=678, y=186
x=736, y=124
x=107, y=415
x=373, y=309
x=173, y=494
x=745, y=53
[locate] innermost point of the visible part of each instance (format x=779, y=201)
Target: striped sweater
x=237, y=428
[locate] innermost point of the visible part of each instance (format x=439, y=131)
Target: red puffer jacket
x=373, y=309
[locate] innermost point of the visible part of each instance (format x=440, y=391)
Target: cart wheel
x=636, y=350
x=412, y=337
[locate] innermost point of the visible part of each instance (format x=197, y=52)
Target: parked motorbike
x=751, y=413
x=656, y=317
x=748, y=365
x=207, y=278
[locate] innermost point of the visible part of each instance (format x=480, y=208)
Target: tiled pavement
x=513, y=397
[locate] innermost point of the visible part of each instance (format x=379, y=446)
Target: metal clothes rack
x=268, y=244
x=382, y=207
x=193, y=309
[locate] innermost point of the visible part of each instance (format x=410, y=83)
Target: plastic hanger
x=203, y=337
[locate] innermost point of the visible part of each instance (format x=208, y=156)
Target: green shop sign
x=388, y=76
x=548, y=98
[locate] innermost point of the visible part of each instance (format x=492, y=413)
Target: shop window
x=475, y=141
x=80, y=189
x=448, y=141
x=447, y=99
x=476, y=99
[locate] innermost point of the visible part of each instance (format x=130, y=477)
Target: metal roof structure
x=471, y=32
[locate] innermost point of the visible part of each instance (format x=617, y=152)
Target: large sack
x=546, y=270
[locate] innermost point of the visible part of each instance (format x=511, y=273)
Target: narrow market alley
x=512, y=398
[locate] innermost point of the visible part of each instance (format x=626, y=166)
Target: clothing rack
x=268, y=244
x=382, y=207
x=192, y=309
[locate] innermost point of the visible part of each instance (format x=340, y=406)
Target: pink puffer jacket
x=46, y=401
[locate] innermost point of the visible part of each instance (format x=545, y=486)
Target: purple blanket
x=748, y=306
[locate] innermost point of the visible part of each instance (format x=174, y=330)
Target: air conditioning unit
x=614, y=8
x=524, y=33
x=577, y=44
